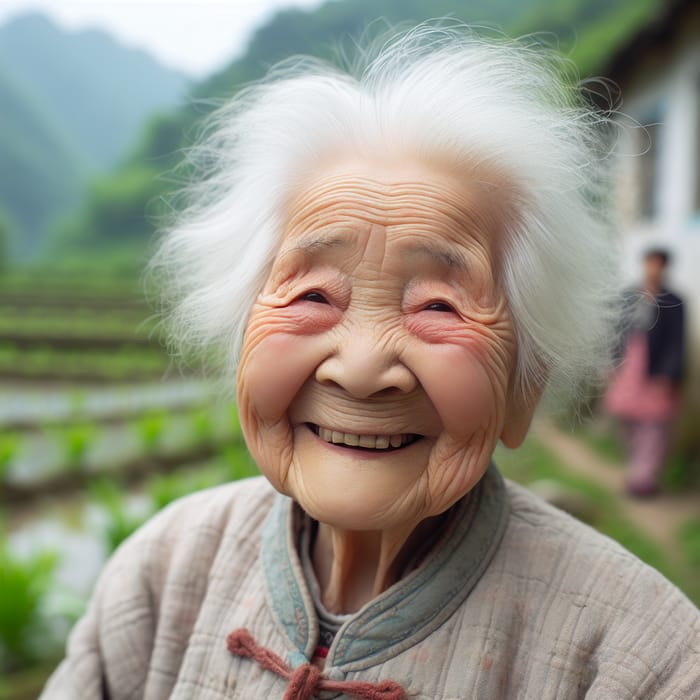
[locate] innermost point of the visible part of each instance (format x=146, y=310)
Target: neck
x=653, y=287
x=353, y=567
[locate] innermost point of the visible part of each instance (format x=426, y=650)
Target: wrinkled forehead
x=450, y=209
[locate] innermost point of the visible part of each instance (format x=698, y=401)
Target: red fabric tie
x=307, y=681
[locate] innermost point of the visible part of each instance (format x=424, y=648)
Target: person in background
x=644, y=392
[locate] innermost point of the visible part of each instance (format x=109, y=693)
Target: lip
x=358, y=451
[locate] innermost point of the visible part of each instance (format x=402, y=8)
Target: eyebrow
x=446, y=257
x=315, y=243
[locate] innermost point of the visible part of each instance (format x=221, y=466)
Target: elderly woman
x=398, y=265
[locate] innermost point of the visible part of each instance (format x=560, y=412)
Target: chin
x=354, y=488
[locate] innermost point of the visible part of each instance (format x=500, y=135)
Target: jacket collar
x=408, y=611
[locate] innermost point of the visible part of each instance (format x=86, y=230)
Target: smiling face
x=377, y=367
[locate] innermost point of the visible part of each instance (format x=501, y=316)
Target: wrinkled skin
x=383, y=316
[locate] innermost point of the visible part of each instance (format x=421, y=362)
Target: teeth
x=352, y=440
x=368, y=441
x=376, y=442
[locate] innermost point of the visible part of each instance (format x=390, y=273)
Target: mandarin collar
x=405, y=613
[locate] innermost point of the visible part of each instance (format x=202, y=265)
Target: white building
x=658, y=167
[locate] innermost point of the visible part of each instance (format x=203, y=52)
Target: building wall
x=663, y=209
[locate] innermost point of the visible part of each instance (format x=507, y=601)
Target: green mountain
x=41, y=171
x=587, y=30
x=71, y=105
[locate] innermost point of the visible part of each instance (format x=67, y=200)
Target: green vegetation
x=121, y=522
x=106, y=365
x=124, y=514
x=8, y=238
x=74, y=441
x=690, y=540
x=61, y=122
x=122, y=210
x=150, y=428
x=24, y=585
x=682, y=469
x=601, y=436
x=202, y=425
x=9, y=447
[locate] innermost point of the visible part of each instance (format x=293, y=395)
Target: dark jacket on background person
x=665, y=335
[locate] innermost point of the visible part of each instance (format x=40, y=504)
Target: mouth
x=365, y=442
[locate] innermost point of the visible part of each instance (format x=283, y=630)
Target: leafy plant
x=121, y=522
x=75, y=441
x=202, y=425
x=9, y=446
x=151, y=427
x=24, y=585
x=165, y=489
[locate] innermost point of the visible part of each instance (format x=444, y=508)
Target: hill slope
x=588, y=30
x=72, y=104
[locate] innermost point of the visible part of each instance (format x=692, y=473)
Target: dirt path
x=659, y=518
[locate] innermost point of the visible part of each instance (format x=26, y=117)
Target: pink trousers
x=647, y=444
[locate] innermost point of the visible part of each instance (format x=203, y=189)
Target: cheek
x=280, y=352
x=463, y=385
x=460, y=388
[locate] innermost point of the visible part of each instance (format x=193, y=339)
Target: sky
x=194, y=36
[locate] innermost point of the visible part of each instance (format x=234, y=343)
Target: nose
x=363, y=367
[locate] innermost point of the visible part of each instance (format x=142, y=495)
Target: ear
x=519, y=412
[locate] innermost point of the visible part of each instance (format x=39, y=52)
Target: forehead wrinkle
x=342, y=199
x=325, y=215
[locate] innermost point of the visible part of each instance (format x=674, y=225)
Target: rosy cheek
x=452, y=364
x=460, y=388
x=280, y=353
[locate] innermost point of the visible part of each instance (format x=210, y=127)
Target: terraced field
x=97, y=432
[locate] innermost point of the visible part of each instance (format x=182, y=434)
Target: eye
x=439, y=306
x=315, y=297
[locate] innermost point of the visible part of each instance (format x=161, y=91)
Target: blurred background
x=99, y=428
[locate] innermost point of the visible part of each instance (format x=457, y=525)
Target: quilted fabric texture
x=553, y=610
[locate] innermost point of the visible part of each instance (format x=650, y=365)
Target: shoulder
x=181, y=541
x=585, y=592
x=153, y=589
x=575, y=555
x=214, y=509
x=667, y=298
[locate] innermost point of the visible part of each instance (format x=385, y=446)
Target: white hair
x=433, y=90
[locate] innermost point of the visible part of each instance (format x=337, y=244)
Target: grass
x=689, y=537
